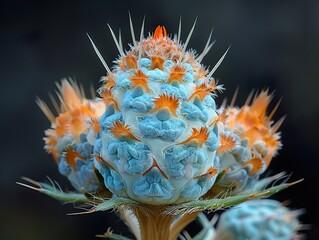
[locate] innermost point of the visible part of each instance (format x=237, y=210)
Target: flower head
x=73, y=133
x=155, y=130
x=258, y=219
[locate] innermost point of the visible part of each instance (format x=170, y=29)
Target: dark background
x=273, y=44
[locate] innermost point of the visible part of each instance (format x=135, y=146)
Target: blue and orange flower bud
x=258, y=219
x=73, y=134
x=155, y=129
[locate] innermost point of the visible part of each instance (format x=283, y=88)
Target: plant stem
x=154, y=224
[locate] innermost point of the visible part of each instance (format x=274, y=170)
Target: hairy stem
x=155, y=224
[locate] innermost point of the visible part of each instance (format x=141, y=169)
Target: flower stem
x=155, y=224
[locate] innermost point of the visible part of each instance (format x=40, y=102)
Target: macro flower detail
x=72, y=135
x=249, y=139
x=165, y=108
x=154, y=146
x=258, y=219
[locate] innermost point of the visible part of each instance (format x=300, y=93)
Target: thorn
x=99, y=55
x=248, y=100
x=207, y=47
x=132, y=29
x=141, y=45
x=45, y=109
x=270, y=116
x=189, y=37
x=179, y=30
x=233, y=100
x=28, y=186
x=295, y=182
x=116, y=42
x=120, y=39
x=278, y=124
x=81, y=213
x=217, y=64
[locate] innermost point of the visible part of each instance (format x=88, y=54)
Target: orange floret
x=160, y=32
x=226, y=143
x=177, y=74
x=74, y=113
x=167, y=102
x=108, y=98
x=120, y=129
x=131, y=61
x=71, y=158
x=157, y=62
x=198, y=136
x=255, y=125
x=140, y=80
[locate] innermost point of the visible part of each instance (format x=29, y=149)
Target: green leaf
x=114, y=203
x=221, y=203
x=53, y=190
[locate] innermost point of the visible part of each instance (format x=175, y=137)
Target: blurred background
x=274, y=44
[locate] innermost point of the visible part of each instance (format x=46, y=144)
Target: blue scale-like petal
x=169, y=130
x=138, y=101
x=85, y=178
x=168, y=64
x=97, y=146
x=123, y=81
x=65, y=142
x=112, y=179
x=157, y=75
x=194, y=112
x=82, y=179
x=188, y=67
x=135, y=155
x=197, y=187
x=174, y=89
x=109, y=117
x=177, y=157
x=146, y=62
x=64, y=167
x=213, y=140
x=188, y=77
x=84, y=148
x=153, y=184
x=210, y=102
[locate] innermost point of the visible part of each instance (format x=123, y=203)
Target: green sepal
x=114, y=203
x=221, y=203
x=54, y=191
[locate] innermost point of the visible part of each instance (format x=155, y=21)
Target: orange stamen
x=255, y=165
x=177, y=73
x=171, y=103
x=157, y=62
x=198, y=136
x=220, y=118
x=131, y=61
x=201, y=92
x=140, y=80
x=109, y=81
x=226, y=143
x=160, y=32
x=71, y=158
x=108, y=98
x=95, y=125
x=120, y=129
